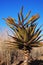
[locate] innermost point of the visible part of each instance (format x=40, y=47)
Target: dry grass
x=6, y=54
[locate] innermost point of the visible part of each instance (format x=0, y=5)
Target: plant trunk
x=26, y=58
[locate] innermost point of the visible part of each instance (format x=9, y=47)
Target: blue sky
x=12, y=7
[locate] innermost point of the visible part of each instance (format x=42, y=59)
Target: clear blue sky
x=12, y=7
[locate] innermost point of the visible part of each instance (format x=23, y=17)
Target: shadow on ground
x=37, y=62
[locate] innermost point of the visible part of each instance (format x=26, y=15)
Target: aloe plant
x=27, y=35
